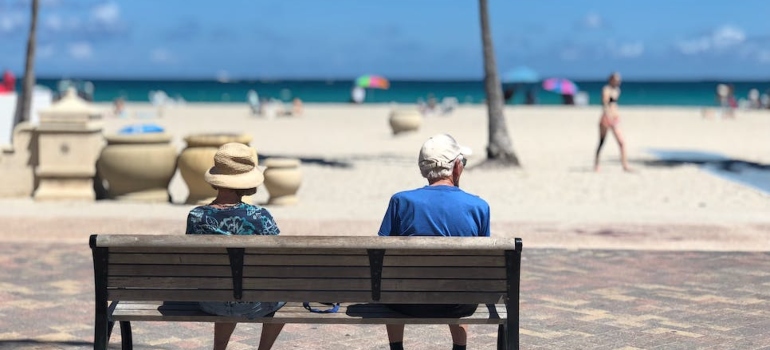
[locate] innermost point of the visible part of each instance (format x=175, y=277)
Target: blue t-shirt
x=436, y=211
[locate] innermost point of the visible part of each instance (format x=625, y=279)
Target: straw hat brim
x=244, y=181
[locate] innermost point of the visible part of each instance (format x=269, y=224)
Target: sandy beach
x=352, y=164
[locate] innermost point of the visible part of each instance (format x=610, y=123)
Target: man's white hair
x=436, y=174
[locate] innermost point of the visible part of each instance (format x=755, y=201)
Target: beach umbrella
x=140, y=129
x=373, y=82
x=560, y=86
x=520, y=75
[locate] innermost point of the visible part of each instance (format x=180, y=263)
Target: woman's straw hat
x=235, y=167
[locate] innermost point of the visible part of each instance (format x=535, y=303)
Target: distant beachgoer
x=508, y=94
x=722, y=101
x=610, y=120
x=254, y=103
x=568, y=99
x=764, y=100
x=119, y=107
x=432, y=106
x=9, y=82
x=754, y=102
x=297, y=108
x=530, y=98
x=731, y=101
x=357, y=95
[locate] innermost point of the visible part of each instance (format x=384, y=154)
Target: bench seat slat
x=295, y=313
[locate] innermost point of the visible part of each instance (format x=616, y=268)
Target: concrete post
x=69, y=142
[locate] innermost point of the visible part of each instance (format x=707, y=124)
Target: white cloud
x=53, y=22
x=44, y=51
x=694, y=46
x=719, y=39
x=107, y=13
x=162, y=56
x=630, y=50
x=10, y=22
x=727, y=36
x=592, y=21
x=764, y=56
x=569, y=54
x=81, y=50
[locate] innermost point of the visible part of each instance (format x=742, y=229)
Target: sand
x=352, y=164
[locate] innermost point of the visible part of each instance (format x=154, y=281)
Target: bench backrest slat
x=227, y=295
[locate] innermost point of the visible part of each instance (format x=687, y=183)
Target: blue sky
x=419, y=39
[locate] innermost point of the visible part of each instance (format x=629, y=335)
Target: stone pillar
x=17, y=163
x=69, y=142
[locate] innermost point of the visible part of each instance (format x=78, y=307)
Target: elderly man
x=439, y=209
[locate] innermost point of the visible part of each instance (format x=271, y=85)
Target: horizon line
x=336, y=79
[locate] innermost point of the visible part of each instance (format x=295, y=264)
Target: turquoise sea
x=692, y=93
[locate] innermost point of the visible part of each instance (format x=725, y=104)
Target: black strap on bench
x=334, y=308
x=376, y=258
x=236, y=267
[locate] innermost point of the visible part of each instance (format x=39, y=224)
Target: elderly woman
x=234, y=175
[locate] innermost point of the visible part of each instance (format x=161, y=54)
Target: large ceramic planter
x=282, y=180
x=198, y=157
x=138, y=167
x=405, y=120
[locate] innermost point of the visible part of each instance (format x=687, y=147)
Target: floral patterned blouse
x=241, y=219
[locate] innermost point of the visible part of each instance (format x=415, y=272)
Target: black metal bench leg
x=501, y=337
x=126, y=341
x=512, y=334
x=102, y=329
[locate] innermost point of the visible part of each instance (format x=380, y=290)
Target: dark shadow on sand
x=308, y=160
x=752, y=174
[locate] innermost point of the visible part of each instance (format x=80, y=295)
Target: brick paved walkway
x=571, y=299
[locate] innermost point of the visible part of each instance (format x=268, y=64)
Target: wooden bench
x=160, y=278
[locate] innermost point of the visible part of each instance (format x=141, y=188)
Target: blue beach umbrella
x=140, y=129
x=521, y=75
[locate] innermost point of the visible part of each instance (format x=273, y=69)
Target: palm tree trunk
x=500, y=149
x=24, y=101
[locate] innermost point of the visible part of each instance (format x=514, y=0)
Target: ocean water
x=701, y=93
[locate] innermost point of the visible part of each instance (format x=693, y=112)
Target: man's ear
x=457, y=168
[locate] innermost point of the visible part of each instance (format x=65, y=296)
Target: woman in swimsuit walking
x=610, y=119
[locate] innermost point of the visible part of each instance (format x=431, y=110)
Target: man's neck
x=442, y=182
